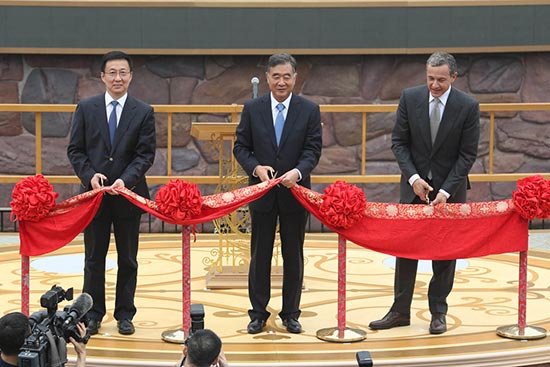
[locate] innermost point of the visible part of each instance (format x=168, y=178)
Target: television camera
x=51, y=329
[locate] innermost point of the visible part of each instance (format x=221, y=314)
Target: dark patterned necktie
x=112, y=122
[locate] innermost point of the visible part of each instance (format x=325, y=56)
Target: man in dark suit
x=279, y=133
x=113, y=144
x=435, y=141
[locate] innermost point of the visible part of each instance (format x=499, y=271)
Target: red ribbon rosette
x=545, y=200
x=179, y=199
x=532, y=198
x=343, y=204
x=32, y=199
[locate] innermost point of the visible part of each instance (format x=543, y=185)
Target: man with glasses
x=113, y=144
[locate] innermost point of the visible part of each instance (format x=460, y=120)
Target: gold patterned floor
x=484, y=298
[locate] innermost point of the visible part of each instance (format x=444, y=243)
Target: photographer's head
x=202, y=349
x=14, y=328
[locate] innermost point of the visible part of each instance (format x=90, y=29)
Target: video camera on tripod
x=51, y=329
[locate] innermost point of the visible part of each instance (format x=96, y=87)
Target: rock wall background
x=522, y=139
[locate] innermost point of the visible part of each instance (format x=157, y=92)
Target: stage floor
x=484, y=298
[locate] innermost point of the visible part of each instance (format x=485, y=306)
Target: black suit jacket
x=455, y=148
x=133, y=151
x=300, y=146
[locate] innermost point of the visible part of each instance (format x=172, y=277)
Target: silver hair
x=281, y=59
x=442, y=58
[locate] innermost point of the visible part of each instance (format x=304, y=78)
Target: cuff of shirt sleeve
x=299, y=175
x=413, y=178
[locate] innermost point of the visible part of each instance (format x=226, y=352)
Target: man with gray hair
x=434, y=140
x=279, y=135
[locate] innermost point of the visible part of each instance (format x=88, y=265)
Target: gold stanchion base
x=529, y=332
x=174, y=336
x=349, y=335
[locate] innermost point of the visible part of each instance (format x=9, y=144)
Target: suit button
x=111, y=159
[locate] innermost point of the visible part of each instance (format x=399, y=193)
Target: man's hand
x=439, y=199
x=80, y=348
x=222, y=361
x=422, y=189
x=264, y=173
x=118, y=184
x=97, y=180
x=290, y=178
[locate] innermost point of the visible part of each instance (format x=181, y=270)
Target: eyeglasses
x=122, y=73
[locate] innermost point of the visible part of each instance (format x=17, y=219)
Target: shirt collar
x=274, y=102
x=121, y=100
x=443, y=98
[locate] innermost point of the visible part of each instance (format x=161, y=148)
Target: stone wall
x=522, y=139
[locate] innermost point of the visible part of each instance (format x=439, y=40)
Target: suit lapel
x=267, y=122
x=294, y=108
x=100, y=115
x=423, y=115
x=128, y=113
x=447, y=121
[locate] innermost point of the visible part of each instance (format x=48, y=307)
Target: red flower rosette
x=179, y=199
x=532, y=198
x=545, y=200
x=32, y=199
x=343, y=204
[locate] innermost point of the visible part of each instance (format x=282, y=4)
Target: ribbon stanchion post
x=478, y=229
x=25, y=284
x=521, y=330
x=46, y=226
x=179, y=335
x=341, y=333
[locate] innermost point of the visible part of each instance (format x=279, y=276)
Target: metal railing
x=233, y=111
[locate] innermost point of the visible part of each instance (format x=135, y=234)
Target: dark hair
x=203, y=347
x=441, y=58
x=281, y=59
x=116, y=55
x=14, y=328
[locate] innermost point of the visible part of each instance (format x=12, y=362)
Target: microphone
x=255, y=81
x=79, y=308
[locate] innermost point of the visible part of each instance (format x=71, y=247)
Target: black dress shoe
x=255, y=326
x=125, y=327
x=292, y=326
x=438, y=325
x=93, y=326
x=392, y=319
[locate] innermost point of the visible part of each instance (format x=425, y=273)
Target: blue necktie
x=112, y=122
x=279, y=122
